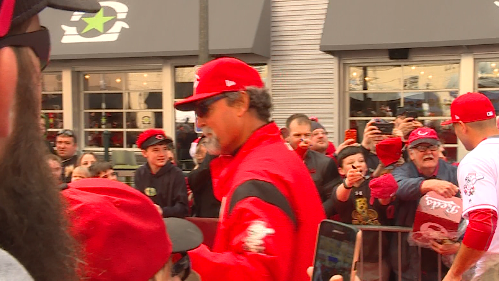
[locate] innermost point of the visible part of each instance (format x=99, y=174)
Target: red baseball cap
x=219, y=76
x=471, y=107
x=423, y=135
x=122, y=234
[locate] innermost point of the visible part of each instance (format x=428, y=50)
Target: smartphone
x=351, y=134
x=385, y=128
x=337, y=251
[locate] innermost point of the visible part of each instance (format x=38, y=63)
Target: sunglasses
x=66, y=132
x=203, y=107
x=182, y=267
x=422, y=148
x=38, y=41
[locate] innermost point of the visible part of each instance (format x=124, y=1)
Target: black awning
x=391, y=24
x=135, y=28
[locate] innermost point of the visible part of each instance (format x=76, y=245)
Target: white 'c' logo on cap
x=422, y=133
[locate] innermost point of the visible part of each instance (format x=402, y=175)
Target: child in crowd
x=351, y=200
x=102, y=170
x=79, y=173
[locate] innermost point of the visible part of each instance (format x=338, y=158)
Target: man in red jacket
x=270, y=206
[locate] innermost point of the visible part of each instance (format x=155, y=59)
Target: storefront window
x=376, y=91
x=52, y=103
x=488, y=81
x=124, y=104
x=185, y=128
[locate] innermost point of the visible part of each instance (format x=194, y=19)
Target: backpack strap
x=264, y=191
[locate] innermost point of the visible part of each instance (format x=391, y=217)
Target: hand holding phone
x=337, y=251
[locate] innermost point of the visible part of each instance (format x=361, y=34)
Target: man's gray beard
x=213, y=146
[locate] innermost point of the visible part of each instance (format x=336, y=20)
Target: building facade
x=344, y=62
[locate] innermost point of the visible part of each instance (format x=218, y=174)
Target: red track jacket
x=257, y=240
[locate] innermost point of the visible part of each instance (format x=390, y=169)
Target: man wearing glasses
x=66, y=145
x=425, y=173
x=270, y=206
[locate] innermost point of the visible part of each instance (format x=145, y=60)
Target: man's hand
x=443, y=188
x=347, y=143
x=334, y=278
x=408, y=125
x=445, y=249
x=369, y=132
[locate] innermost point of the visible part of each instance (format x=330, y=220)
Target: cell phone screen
x=334, y=254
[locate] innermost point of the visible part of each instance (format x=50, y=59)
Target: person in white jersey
x=473, y=119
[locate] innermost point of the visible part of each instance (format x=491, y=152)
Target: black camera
x=384, y=126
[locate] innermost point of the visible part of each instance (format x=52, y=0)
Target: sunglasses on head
x=203, y=107
x=182, y=267
x=66, y=132
x=38, y=41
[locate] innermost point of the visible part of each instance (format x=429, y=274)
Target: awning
x=137, y=28
x=391, y=24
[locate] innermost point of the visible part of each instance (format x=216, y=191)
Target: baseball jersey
x=478, y=177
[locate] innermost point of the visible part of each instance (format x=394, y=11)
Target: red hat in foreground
x=219, y=76
x=383, y=187
x=122, y=234
x=389, y=150
x=471, y=107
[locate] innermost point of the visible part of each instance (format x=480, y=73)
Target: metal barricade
x=398, y=231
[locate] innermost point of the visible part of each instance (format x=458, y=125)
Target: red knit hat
x=389, y=150
x=122, y=233
x=383, y=187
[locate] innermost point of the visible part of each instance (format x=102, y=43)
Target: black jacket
x=68, y=166
x=166, y=188
x=324, y=172
x=205, y=203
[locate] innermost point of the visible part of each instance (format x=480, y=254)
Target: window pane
x=488, y=74
x=95, y=139
x=54, y=120
x=145, y=100
x=144, y=120
x=52, y=83
x=430, y=104
x=144, y=81
x=103, y=101
x=184, y=116
x=184, y=136
x=494, y=98
x=131, y=138
x=51, y=101
x=378, y=78
x=356, y=79
x=107, y=81
x=183, y=89
x=443, y=76
x=370, y=104
x=102, y=120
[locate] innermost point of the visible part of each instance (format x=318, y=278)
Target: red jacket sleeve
x=260, y=239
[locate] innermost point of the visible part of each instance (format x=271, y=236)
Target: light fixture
x=493, y=64
x=145, y=74
x=497, y=74
x=430, y=76
x=496, y=70
x=422, y=72
x=145, y=83
x=413, y=67
x=118, y=80
x=367, y=78
x=354, y=74
x=87, y=76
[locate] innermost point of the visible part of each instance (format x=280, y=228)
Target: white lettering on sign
x=449, y=206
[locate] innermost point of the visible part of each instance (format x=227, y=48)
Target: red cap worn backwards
x=471, y=107
x=219, y=76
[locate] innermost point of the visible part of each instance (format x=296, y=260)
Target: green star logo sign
x=96, y=22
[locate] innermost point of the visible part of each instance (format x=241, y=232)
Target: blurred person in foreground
x=123, y=236
x=31, y=212
x=473, y=119
x=270, y=206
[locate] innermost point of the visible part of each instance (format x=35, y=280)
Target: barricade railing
x=398, y=231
